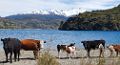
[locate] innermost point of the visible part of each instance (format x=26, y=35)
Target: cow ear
x=44, y=41
x=82, y=41
x=2, y=39
x=74, y=43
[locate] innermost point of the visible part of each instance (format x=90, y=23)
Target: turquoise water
x=54, y=37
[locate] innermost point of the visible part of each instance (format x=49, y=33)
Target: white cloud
x=9, y=7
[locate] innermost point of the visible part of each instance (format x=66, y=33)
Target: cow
x=11, y=45
x=70, y=49
x=94, y=44
x=32, y=45
x=114, y=48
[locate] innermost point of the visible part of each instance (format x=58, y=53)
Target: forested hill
x=95, y=20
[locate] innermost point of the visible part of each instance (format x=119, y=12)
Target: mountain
x=43, y=19
x=95, y=20
x=66, y=13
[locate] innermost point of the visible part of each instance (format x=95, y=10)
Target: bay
x=54, y=37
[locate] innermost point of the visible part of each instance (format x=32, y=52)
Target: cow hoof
x=10, y=61
x=6, y=61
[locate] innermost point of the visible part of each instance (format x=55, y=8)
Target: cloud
x=9, y=7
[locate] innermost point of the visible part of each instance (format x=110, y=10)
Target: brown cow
x=114, y=48
x=32, y=45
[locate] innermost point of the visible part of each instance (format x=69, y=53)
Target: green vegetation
x=6, y=23
x=94, y=20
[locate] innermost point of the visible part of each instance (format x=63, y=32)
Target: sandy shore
x=27, y=58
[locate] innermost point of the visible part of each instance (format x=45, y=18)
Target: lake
x=54, y=37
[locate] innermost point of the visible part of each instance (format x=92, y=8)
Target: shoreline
x=27, y=58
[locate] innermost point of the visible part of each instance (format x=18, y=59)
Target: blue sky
x=9, y=7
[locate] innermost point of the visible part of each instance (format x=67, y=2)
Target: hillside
x=7, y=23
x=95, y=20
x=31, y=21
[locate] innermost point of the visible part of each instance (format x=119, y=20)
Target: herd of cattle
x=14, y=45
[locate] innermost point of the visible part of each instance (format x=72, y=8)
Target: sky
x=11, y=7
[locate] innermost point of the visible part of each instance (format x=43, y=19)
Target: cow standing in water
x=32, y=45
x=11, y=45
x=70, y=49
x=114, y=48
x=94, y=44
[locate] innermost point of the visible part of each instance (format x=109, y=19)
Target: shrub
x=47, y=59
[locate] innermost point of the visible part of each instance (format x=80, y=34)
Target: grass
x=101, y=61
x=47, y=59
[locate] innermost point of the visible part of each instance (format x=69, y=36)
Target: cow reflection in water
x=32, y=45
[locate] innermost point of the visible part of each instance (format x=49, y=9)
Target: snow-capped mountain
x=67, y=13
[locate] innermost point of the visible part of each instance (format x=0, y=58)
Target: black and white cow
x=70, y=49
x=94, y=44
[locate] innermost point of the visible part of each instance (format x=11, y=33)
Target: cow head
x=85, y=44
x=42, y=43
x=5, y=41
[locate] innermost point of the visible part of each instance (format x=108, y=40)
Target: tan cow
x=114, y=48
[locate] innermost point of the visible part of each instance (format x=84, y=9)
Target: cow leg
x=15, y=56
x=10, y=57
x=58, y=54
x=74, y=54
x=35, y=54
x=117, y=53
x=111, y=53
x=68, y=55
x=38, y=52
x=88, y=52
x=101, y=52
x=18, y=55
x=6, y=53
x=58, y=49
